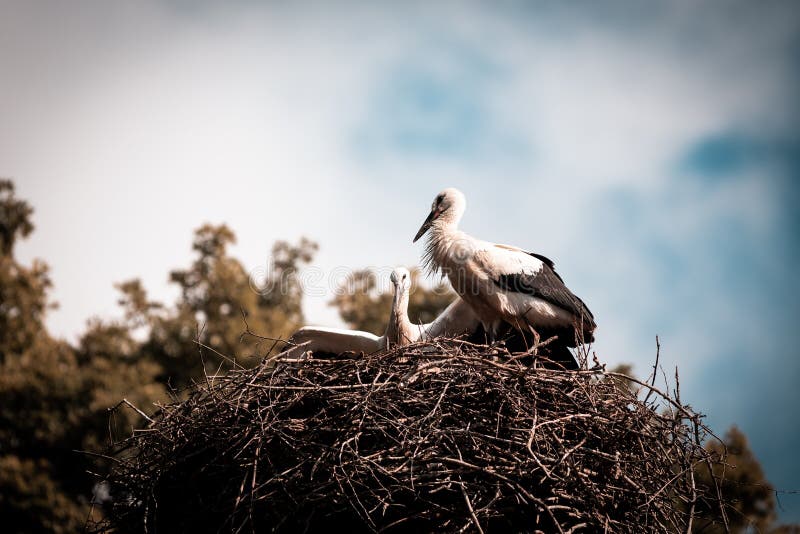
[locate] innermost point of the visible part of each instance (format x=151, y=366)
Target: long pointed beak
x=426, y=225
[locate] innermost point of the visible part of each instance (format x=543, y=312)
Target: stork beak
x=427, y=224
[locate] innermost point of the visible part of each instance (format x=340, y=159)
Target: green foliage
x=139, y=311
x=363, y=307
x=44, y=418
x=54, y=401
x=113, y=368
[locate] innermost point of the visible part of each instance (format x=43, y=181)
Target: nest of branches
x=438, y=436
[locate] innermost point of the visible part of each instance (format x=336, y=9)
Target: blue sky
x=651, y=149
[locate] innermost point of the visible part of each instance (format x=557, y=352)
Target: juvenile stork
x=458, y=318
x=501, y=282
x=399, y=330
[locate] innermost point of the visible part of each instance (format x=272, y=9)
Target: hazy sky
x=652, y=150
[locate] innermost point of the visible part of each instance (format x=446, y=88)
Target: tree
x=749, y=497
x=363, y=307
x=37, y=385
x=23, y=290
x=218, y=303
x=42, y=481
x=55, y=401
x=15, y=218
x=54, y=398
x=360, y=304
x=114, y=367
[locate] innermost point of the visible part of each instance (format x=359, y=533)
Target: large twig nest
x=442, y=436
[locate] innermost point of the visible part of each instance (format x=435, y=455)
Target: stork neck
x=400, y=305
x=399, y=325
x=449, y=244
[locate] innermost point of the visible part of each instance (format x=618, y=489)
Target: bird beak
x=427, y=224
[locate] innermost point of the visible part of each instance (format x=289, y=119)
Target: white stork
x=501, y=282
x=457, y=319
x=399, y=330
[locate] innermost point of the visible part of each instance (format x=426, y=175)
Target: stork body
x=457, y=319
x=335, y=340
x=501, y=282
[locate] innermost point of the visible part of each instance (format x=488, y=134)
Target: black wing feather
x=544, y=259
x=548, y=286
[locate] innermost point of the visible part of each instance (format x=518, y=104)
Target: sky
x=652, y=149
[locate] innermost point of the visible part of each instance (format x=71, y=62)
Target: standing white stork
x=501, y=282
x=457, y=319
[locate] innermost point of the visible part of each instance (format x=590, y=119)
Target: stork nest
x=437, y=436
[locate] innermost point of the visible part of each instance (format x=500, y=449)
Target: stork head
x=447, y=207
x=401, y=279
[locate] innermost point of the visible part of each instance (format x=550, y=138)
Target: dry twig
x=437, y=436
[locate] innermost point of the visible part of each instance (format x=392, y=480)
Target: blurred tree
x=37, y=384
x=114, y=367
x=15, y=218
x=23, y=290
x=139, y=310
x=360, y=303
x=281, y=290
x=750, y=497
x=54, y=398
x=217, y=297
x=363, y=307
x=43, y=485
x=55, y=401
